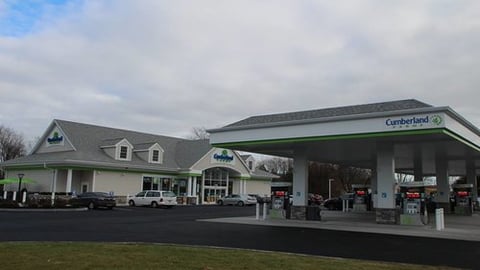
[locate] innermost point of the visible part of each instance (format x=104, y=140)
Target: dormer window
x=155, y=155
x=149, y=152
x=118, y=149
x=123, y=152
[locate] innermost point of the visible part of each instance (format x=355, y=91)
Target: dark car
x=337, y=202
x=94, y=200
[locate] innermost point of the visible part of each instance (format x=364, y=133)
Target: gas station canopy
x=350, y=135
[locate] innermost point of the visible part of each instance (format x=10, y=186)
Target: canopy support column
x=300, y=185
x=386, y=212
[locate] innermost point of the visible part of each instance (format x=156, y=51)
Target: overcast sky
x=164, y=67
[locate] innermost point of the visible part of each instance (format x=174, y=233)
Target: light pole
x=330, y=187
x=20, y=176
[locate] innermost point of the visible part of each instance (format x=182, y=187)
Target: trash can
x=313, y=212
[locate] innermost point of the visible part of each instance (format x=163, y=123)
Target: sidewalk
x=456, y=227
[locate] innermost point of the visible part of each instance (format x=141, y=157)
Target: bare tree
x=403, y=178
x=348, y=175
x=199, y=133
x=11, y=144
x=276, y=165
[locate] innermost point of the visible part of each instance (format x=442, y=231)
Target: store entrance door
x=212, y=194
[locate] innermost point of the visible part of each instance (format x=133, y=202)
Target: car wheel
x=91, y=205
x=131, y=203
x=154, y=204
x=220, y=202
x=240, y=203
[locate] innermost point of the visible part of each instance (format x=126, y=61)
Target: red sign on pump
x=413, y=195
x=361, y=192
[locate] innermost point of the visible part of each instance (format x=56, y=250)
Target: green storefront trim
x=461, y=139
x=189, y=174
x=444, y=131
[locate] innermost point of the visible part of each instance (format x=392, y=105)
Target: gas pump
x=361, y=197
x=463, y=204
x=413, y=205
x=277, y=207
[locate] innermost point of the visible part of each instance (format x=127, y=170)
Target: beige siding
x=236, y=186
x=120, y=183
x=259, y=187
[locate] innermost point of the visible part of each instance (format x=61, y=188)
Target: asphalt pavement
x=236, y=227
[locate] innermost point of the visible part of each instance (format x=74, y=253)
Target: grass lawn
x=69, y=255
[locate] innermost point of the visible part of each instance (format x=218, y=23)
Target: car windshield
x=168, y=194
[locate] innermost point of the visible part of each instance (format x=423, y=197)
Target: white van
x=153, y=198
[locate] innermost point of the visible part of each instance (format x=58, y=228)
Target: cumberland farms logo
x=223, y=157
x=415, y=121
x=437, y=120
x=55, y=139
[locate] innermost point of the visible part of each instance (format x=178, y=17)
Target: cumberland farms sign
x=223, y=156
x=414, y=121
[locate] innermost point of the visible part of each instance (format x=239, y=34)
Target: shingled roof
x=331, y=112
x=88, y=141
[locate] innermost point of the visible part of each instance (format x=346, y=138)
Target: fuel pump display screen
x=361, y=192
x=413, y=195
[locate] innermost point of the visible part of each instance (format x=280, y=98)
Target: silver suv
x=153, y=198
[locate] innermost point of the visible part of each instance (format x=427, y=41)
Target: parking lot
x=181, y=225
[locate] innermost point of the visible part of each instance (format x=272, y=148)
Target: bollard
x=14, y=195
x=257, y=211
x=344, y=205
x=5, y=195
x=24, y=197
x=264, y=211
x=439, y=219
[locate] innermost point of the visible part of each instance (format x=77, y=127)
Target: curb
x=43, y=209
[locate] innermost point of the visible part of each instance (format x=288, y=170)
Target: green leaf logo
x=437, y=119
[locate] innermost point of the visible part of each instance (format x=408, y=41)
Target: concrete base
x=276, y=214
x=463, y=211
x=387, y=216
x=359, y=207
x=445, y=206
x=298, y=212
x=411, y=220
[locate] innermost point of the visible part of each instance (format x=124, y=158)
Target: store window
x=156, y=183
x=180, y=187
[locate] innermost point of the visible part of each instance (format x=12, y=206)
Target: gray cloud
x=167, y=66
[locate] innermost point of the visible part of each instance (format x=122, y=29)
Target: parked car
x=337, y=202
x=153, y=198
x=237, y=199
x=315, y=199
x=94, y=200
x=261, y=199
